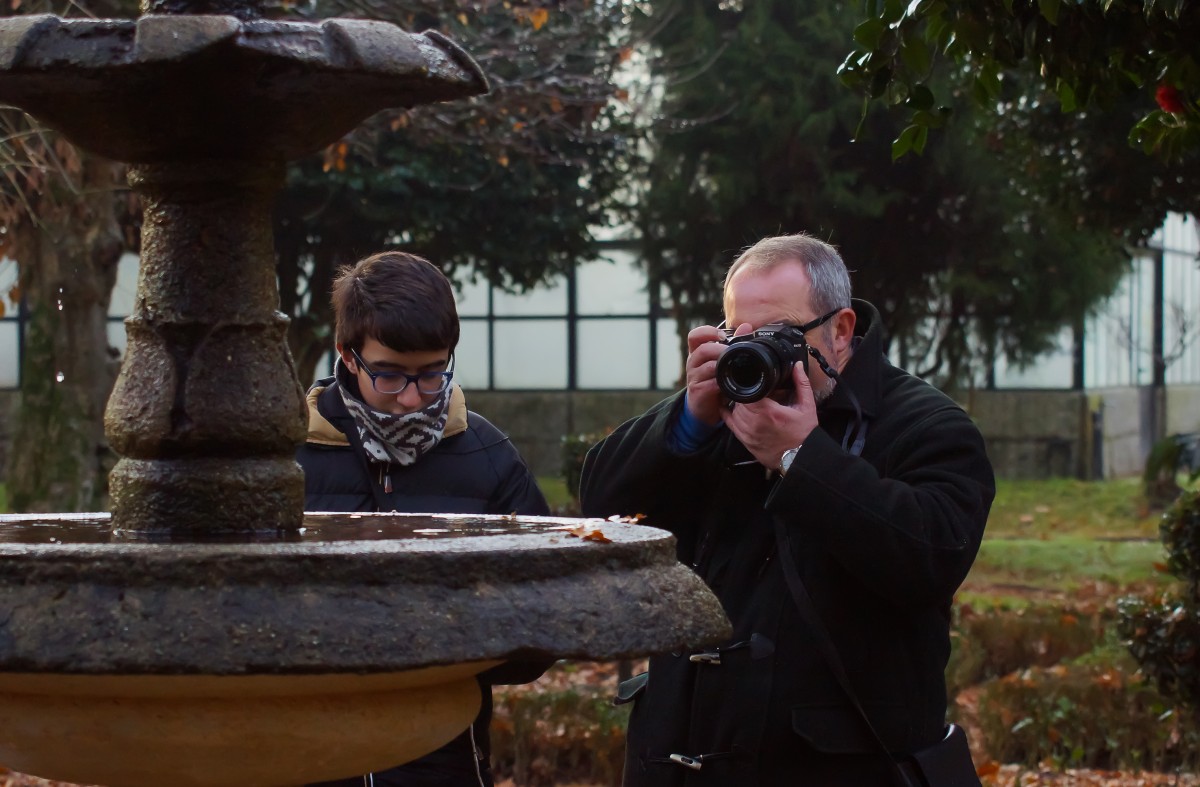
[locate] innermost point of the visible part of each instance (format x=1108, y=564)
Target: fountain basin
x=109, y=625
x=202, y=731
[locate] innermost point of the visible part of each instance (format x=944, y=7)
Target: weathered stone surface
x=19, y=32
x=174, y=37
x=245, y=9
x=196, y=495
x=173, y=87
x=370, y=593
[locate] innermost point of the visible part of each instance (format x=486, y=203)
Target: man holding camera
x=834, y=503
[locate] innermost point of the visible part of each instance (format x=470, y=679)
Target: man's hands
x=766, y=427
x=704, y=398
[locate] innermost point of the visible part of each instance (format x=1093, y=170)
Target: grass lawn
x=1063, y=536
x=1056, y=535
x=1067, y=563
x=555, y=490
x=1060, y=507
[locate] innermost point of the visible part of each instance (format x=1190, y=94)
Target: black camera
x=761, y=362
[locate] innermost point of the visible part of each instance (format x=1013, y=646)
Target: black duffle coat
x=475, y=469
x=881, y=541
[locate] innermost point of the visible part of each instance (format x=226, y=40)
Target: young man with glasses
x=390, y=432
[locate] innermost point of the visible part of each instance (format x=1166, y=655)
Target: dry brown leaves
x=12, y=779
x=1047, y=776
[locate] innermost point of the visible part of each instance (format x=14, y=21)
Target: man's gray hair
x=826, y=272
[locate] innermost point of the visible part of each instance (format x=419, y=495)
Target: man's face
x=781, y=294
x=378, y=357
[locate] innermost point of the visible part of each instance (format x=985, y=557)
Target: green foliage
x=1164, y=637
x=1164, y=634
x=1086, y=715
x=574, y=451
x=1168, y=458
x=3, y=499
x=1181, y=536
x=759, y=140
x=1086, y=54
x=506, y=187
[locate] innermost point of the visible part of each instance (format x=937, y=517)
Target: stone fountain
x=208, y=632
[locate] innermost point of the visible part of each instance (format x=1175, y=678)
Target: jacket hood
x=322, y=431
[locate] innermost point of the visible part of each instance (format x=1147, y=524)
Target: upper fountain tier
x=172, y=86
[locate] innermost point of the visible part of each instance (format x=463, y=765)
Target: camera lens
x=747, y=372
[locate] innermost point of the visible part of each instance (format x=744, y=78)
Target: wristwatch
x=789, y=455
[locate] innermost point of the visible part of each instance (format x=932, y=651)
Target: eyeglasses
x=395, y=382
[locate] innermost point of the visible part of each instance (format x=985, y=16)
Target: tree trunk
x=68, y=262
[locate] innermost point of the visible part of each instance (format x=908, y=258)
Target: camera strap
x=860, y=437
x=833, y=660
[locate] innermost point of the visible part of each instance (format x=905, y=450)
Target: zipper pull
x=387, y=479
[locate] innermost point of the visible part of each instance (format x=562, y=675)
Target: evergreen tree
x=760, y=141
x=507, y=187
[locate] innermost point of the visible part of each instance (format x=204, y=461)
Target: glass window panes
x=1181, y=287
x=530, y=354
x=125, y=290
x=550, y=300
x=613, y=354
x=1055, y=369
x=10, y=370
x=613, y=285
x=670, y=358
x=9, y=274
x=114, y=331
x=471, y=355
x=471, y=298
x=324, y=367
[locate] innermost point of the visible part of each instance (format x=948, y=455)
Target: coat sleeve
x=632, y=471
x=910, y=531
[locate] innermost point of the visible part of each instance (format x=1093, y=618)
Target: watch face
x=786, y=461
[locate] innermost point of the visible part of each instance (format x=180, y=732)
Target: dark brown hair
x=401, y=300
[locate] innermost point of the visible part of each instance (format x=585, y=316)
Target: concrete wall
x=1030, y=433
x=537, y=421
x=1128, y=434
x=1033, y=434
x=1183, y=409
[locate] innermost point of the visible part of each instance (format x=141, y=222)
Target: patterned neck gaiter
x=401, y=439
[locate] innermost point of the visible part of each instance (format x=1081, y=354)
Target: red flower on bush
x=1169, y=98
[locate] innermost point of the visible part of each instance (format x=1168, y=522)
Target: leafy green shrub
x=1164, y=634
x=542, y=738
x=1085, y=715
x=993, y=642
